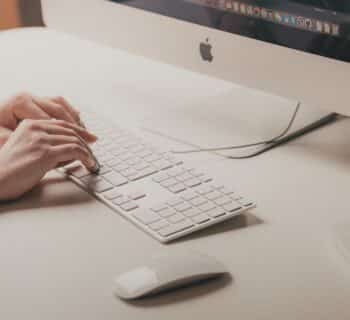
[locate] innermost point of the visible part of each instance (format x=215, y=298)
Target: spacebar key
x=174, y=228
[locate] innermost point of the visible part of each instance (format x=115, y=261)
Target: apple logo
x=205, y=49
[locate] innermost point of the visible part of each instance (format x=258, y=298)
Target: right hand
x=36, y=147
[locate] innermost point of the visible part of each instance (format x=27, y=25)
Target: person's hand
x=26, y=106
x=36, y=147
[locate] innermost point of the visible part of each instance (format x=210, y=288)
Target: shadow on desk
x=187, y=293
x=50, y=193
x=242, y=221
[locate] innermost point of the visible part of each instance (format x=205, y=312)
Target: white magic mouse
x=167, y=272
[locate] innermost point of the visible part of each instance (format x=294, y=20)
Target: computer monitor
x=298, y=49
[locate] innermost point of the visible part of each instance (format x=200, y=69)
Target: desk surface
x=60, y=249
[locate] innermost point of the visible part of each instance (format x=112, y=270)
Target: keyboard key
x=213, y=195
x=174, y=160
x=117, y=151
x=222, y=201
x=104, y=170
x=226, y=191
x=196, y=173
x=184, y=176
x=129, y=206
x=215, y=213
x=131, y=143
x=207, y=206
x=218, y=187
x=174, y=172
x=143, y=174
x=129, y=172
x=177, y=188
x=245, y=202
x=182, y=207
x=203, y=190
x=105, y=158
x=147, y=217
x=162, y=164
x=126, y=156
x=160, y=177
x=112, y=194
x=133, y=161
x=174, y=228
x=231, y=207
x=91, y=179
x=198, y=201
x=144, y=153
x=141, y=165
x=115, y=178
x=174, y=202
x=97, y=184
x=159, y=207
x=192, y=183
x=176, y=218
x=159, y=225
x=189, y=195
x=153, y=157
x=77, y=170
x=121, y=167
x=200, y=218
x=137, y=195
x=137, y=148
x=168, y=212
x=205, y=179
x=121, y=200
x=169, y=182
x=113, y=162
x=192, y=212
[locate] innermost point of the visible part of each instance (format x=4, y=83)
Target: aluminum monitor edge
x=311, y=79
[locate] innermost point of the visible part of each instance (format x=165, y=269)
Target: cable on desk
x=268, y=145
x=250, y=145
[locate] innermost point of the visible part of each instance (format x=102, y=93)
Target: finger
x=4, y=135
x=55, y=140
x=73, y=111
x=70, y=153
x=59, y=127
x=25, y=108
x=54, y=110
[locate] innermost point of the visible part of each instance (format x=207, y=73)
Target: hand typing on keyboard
x=36, y=136
x=152, y=188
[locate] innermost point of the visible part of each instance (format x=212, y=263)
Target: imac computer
x=298, y=49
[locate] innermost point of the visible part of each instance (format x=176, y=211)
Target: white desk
x=60, y=248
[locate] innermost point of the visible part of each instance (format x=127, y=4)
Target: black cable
x=311, y=127
x=281, y=135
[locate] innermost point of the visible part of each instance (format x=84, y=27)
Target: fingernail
x=93, y=136
x=92, y=163
x=82, y=124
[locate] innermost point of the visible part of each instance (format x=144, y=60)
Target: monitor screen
x=319, y=27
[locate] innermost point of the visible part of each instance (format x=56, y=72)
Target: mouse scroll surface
x=166, y=272
x=134, y=283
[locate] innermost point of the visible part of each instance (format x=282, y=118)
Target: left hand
x=26, y=106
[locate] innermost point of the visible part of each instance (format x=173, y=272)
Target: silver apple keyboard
x=154, y=189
